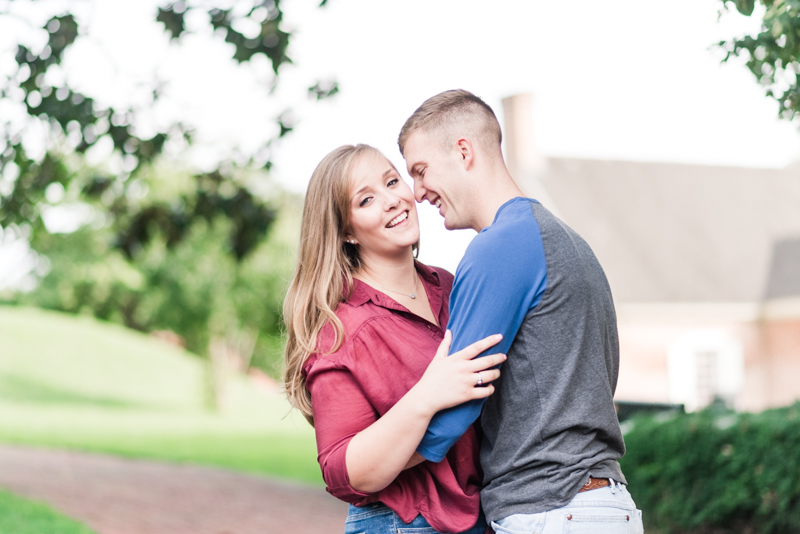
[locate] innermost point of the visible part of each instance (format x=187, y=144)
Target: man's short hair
x=451, y=114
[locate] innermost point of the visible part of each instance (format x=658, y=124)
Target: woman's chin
x=402, y=238
x=390, y=250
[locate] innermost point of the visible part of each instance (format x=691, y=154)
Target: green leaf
x=745, y=7
x=173, y=20
x=63, y=32
x=322, y=90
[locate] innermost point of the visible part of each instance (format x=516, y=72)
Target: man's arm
x=501, y=278
x=414, y=461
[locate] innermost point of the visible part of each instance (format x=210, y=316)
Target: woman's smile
x=400, y=219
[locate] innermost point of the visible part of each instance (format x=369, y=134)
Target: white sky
x=620, y=79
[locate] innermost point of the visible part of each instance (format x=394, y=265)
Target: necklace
x=412, y=295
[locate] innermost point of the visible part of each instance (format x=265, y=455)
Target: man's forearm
x=446, y=428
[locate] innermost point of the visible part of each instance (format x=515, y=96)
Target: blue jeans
x=380, y=519
x=608, y=510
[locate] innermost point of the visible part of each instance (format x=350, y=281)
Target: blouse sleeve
x=341, y=410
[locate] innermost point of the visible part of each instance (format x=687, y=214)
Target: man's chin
x=452, y=224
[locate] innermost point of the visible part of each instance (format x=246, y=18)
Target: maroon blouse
x=385, y=352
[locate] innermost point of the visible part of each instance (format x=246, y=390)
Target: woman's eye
x=364, y=202
x=392, y=182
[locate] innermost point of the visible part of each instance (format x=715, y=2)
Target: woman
x=363, y=319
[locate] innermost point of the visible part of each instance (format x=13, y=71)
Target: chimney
x=526, y=165
x=521, y=155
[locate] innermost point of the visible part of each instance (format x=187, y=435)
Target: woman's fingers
x=476, y=348
x=487, y=376
x=485, y=362
x=482, y=393
x=444, y=346
x=449, y=381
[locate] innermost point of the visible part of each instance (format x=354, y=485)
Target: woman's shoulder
x=444, y=276
x=356, y=324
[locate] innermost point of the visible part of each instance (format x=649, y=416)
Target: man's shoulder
x=509, y=235
x=509, y=254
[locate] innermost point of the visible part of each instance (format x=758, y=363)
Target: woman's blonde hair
x=325, y=266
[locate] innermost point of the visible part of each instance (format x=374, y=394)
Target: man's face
x=438, y=175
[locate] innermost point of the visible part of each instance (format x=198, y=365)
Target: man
x=551, y=436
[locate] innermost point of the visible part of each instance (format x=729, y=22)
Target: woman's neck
x=399, y=277
x=394, y=273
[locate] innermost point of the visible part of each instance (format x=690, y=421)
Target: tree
x=224, y=309
x=773, y=56
x=76, y=122
x=166, y=247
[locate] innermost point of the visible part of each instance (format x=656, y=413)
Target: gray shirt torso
x=551, y=422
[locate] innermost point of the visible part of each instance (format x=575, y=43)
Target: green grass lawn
x=20, y=516
x=78, y=383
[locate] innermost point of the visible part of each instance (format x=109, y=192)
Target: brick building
x=703, y=262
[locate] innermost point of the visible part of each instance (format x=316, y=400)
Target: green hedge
x=717, y=471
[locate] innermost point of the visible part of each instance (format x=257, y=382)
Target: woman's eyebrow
x=386, y=173
x=361, y=190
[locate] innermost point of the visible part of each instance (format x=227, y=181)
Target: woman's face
x=383, y=215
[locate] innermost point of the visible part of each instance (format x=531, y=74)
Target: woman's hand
x=377, y=454
x=451, y=380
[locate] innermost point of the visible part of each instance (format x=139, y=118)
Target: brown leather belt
x=594, y=483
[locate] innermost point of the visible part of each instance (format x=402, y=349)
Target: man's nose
x=419, y=191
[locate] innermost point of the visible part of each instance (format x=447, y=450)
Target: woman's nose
x=392, y=201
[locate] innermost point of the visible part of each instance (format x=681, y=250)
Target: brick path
x=122, y=496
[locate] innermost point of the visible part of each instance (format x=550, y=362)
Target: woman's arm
x=377, y=454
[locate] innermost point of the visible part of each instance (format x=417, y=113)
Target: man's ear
x=465, y=150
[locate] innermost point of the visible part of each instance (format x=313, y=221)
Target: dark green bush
x=717, y=471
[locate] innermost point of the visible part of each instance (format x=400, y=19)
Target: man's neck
x=499, y=189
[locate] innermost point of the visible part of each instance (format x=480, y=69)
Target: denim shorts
x=378, y=518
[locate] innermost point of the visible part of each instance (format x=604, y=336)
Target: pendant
x=413, y=295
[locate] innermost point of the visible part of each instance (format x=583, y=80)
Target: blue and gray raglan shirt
x=551, y=422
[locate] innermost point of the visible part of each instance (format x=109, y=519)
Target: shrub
x=717, y=471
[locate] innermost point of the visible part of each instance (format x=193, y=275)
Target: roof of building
x=784, y=273
x=667, y=232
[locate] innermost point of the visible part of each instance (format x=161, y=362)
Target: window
x=704, y=365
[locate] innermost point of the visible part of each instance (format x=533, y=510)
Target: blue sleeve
x=500, y=279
